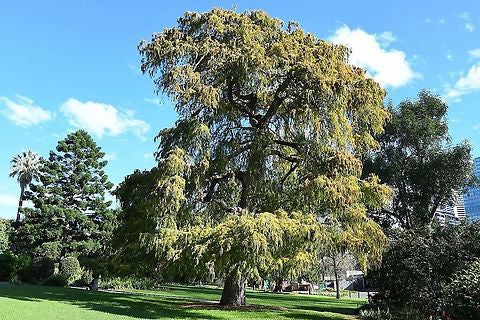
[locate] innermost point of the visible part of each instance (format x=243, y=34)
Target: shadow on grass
x=177, y=302
x=289, y=301
x=119, y=304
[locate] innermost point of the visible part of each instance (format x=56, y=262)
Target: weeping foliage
x=266, y=151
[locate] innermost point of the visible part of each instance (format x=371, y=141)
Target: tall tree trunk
x=234, y=290
x=20, y=201
x=337, y=282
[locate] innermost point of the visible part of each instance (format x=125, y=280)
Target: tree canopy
x=266, y=150
x=418, y=160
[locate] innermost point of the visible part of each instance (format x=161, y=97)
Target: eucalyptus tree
x=418, y=160
x=266, y=150
x=26, y=167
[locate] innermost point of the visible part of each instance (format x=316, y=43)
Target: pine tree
x=70, y=214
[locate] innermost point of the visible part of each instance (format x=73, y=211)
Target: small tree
x=26, y=167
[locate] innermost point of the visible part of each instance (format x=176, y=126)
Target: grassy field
x=175, y=302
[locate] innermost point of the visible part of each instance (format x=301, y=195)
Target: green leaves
x=265, y=154
x=70, y=213
x=418, y=161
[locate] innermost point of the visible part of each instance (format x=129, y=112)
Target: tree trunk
x=278, y=285
x=233, y=291
x=94, y=285
x=20, y=201
x=337, y=282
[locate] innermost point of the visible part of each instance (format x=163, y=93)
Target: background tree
x=272, y=123
x=26, y=167
x=336, y=265
x=70, y=214
x=418, y=161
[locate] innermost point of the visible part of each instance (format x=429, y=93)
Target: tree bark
x=278, y=285
x=94, y=285
x=233, y=291
x=337, y=282
x=20, y=201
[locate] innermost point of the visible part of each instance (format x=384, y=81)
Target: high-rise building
x=453, y=213
x=472, y=197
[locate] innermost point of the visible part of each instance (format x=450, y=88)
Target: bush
x=418, y=265
x=85, y=279
x=462, y=298
x=128, y=283
x=4, y=235
x=7, y=266
x=57, y=280
x=38, y=271
x=378, y=314
x=70, y=269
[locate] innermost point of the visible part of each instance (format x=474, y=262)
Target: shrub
x=4, y=235
x=70, y=269
x=85, y=279
x=7, y=266
x=377, y=314
x=462, y=296
x=128, y=283
x=39, y=269
x=418, y=265
x=57, y=280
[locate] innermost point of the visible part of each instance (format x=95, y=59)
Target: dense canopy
x=266, y=151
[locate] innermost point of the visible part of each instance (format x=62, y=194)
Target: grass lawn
x=48, y=303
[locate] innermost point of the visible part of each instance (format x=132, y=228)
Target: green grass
x=48, y=303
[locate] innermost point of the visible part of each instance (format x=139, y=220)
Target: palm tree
x=26, y=167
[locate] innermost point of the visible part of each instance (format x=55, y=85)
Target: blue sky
x=74, y=64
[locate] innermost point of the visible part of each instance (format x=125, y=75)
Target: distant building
x=453, y=213
x=472, y=197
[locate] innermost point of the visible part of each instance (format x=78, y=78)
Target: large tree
x=272, y=123
x=418, y=160
x=70, y=214
x=26, y=167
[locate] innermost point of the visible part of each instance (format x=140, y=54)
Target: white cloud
x=469, y=27
x=389, y=67
x=23, y=112
x=8, y=200
x=134, y=68
x=156, y=101
x=441, y=21
x=386, y=38
x=467, y=83
x=148, y=155
x=110, y=156
x=474, y=53
x=464, y=15
x=449, y=56
x=101, y=118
